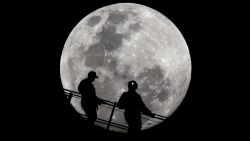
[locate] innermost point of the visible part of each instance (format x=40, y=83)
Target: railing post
x=111, y=115
x=70, y=96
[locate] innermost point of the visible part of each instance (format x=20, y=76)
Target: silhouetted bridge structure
x=113, y=107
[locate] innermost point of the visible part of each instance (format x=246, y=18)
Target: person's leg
x=92, y=116
x=134, y=128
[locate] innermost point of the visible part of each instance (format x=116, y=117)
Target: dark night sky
x=41, y=29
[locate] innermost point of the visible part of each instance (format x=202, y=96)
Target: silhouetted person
x=89, y=100
x=133, y=105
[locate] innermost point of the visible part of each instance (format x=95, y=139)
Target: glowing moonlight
x=124, y=42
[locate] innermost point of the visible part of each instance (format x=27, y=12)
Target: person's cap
x=92, y=74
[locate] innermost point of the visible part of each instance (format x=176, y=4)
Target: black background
x=39, y=31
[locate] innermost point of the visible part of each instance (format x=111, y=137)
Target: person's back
x=87, y=92
x=133, y=105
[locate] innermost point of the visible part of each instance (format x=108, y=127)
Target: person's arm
x=100, y=101
x=120, y=103
x=145, y=110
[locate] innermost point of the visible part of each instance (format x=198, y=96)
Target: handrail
x=75, y=94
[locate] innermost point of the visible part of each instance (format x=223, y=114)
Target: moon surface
x=124, y=42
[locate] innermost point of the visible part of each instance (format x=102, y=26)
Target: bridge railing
x=111, y=105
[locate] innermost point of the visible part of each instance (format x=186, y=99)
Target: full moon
x=123, y=42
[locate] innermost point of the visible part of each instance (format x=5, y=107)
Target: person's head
x=132, y=85
x=92, y=76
